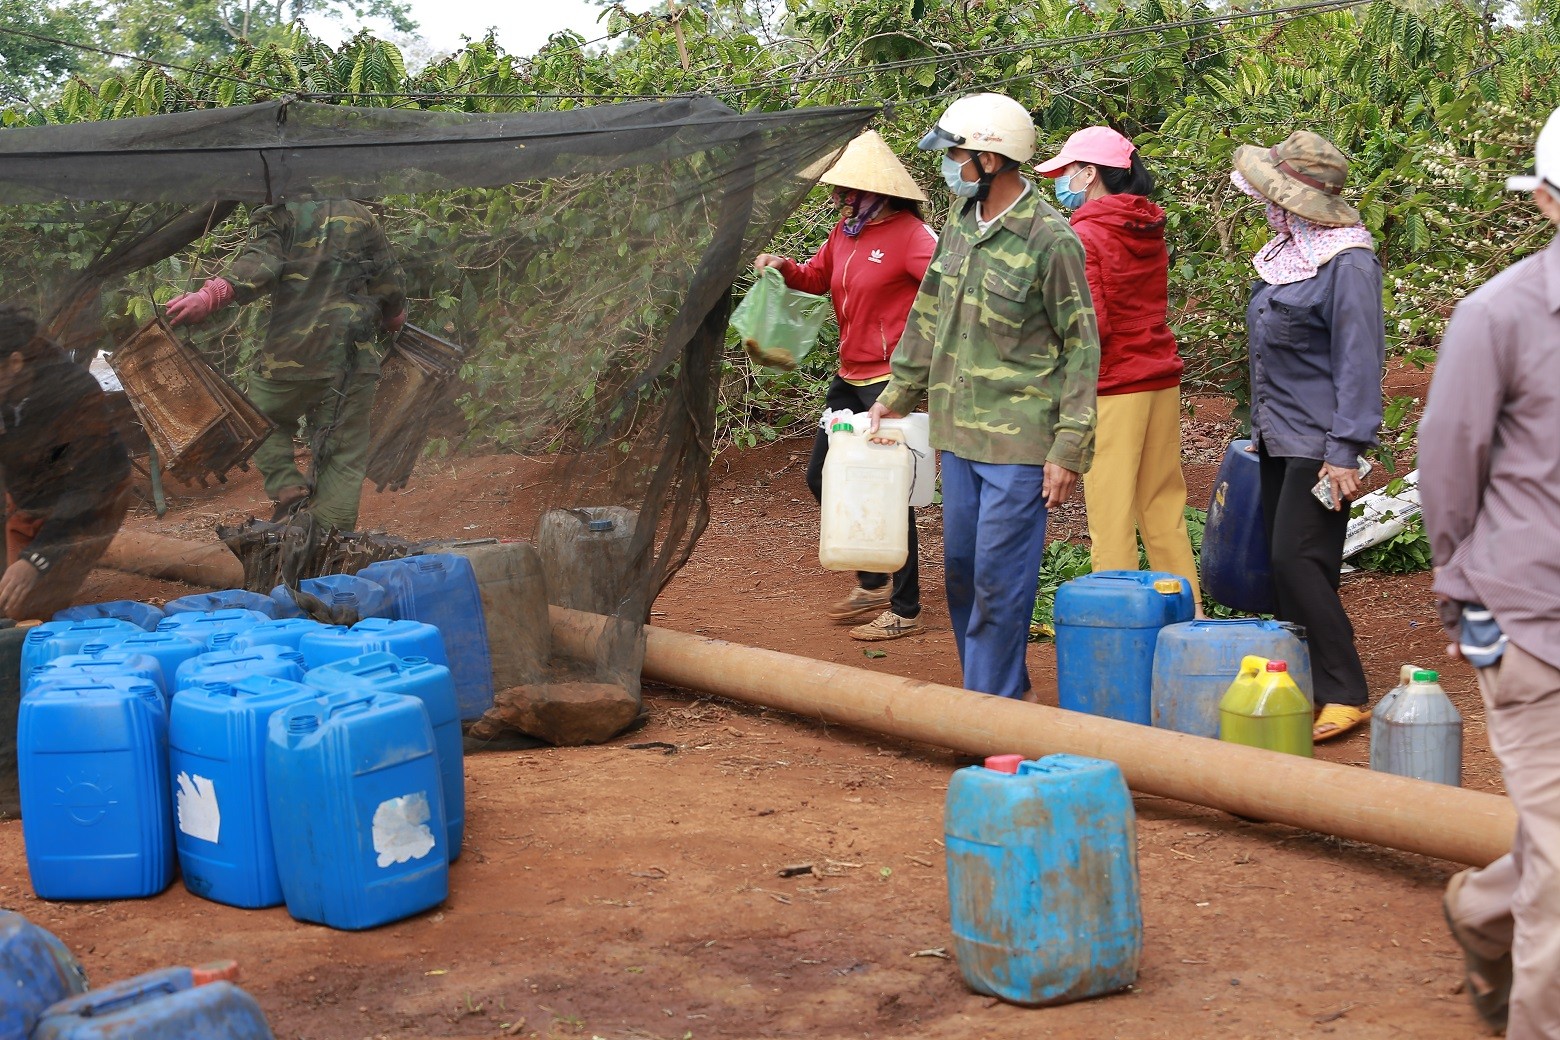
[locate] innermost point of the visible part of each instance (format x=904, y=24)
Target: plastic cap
x=1278, y=666
x=214, y=971
x=1168, y=586
x=603, y=524
x=1003, y=763
x=842, y=427
x=1425, y=675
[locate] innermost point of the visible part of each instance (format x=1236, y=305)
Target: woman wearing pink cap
x=1136, y=485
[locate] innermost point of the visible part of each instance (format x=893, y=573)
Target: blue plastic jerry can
x=284, y=632
x=1107, y=625
x=277, y=662
x=54, y=639
x=230, y=599
x=348, y=596
x=142, y=615
x=1237, y=568
x=372, y=635
x=211, y=628
x=1195, y=661
x=36, y=970
x=96, y=661
x=159, y=1005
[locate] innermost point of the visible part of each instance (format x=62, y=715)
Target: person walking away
x=1318, y=346
x=1002, y=343
x=336, y=290
x=66, y=471
x=1488, y=474
x=1135, y=485
x=871, y=266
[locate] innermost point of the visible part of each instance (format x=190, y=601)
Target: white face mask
x=953, y=174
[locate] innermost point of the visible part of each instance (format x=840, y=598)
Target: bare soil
x=626, y=892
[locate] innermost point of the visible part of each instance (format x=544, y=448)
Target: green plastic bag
x=778, y=325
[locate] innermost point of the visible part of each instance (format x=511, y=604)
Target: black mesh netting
x=566, y=279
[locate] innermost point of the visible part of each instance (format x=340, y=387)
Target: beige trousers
x=1514, y=903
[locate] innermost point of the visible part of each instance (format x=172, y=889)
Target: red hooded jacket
x=872, y=279
x=1128, y=269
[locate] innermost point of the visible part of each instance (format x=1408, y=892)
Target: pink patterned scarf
x=1300, y=246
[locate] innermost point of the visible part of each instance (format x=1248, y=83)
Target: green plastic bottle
x=1264, y=708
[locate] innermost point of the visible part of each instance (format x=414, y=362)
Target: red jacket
x=1128, y=269
x=872, y=280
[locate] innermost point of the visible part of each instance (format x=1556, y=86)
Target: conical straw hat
x=869, y=164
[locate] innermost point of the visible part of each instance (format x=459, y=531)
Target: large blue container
x=284, y=632
x=401, y=638
x=168, y=649
x=57, y=638
x=160, y=1005
x=1106, y=626
x=216, y=756
x=348, y=597
x=1195, y=662
x=142, y=615
x=276, y=662
x=440, y=589
x=371, y=849
x=232, y=599
x=36, y=970
x=96, y=661
x=430, y=683
x=96, y=816
x=206, y=626
x=1042, y=879
x=1237, y=570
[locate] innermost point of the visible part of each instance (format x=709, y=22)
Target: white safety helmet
x=984, y=123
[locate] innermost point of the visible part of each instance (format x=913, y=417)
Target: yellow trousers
x=1136, y=486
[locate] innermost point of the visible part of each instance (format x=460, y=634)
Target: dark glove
x=194, y=308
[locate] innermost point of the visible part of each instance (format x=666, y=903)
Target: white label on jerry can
x=196, y=803
x=401, y=829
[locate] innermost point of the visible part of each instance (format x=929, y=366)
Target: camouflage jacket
x=332, y=280
x=1002, y=341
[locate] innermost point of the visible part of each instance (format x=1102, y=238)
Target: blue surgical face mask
x=1066, y=196
x=953, y=173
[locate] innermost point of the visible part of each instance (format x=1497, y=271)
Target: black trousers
x=1305, y=539
x=906, y=599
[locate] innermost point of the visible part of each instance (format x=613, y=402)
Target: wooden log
x=158, y=556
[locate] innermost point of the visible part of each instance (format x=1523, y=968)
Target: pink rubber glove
x=195, y=307
x=393, y=325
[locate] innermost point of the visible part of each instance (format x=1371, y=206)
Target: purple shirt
x=1317, y=350
x=1489, y=455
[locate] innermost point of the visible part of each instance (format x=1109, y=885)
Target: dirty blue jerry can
x=1042, y=878
x=143, y=615
x=36, y=970
x=216, y=757
x=159, y=1005
x=371, y=847
x=347, y=597
x=231, y=599
x=1107, y=625
x=440, y=589
x=1237, y=568
x=1195, y=661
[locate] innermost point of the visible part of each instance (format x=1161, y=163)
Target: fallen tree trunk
x=158, y=556
x=1413, y=815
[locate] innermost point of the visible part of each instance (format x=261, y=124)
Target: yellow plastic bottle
x=1264, y=708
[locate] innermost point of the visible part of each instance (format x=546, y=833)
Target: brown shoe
x=860, y=603
x=887, y=625
x=1488, y=978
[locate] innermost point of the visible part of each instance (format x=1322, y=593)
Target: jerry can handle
x=352, y=706
x=130, y=995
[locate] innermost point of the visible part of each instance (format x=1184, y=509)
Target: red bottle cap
x=1277, y=666
x=1004, y=763
x=214, y=971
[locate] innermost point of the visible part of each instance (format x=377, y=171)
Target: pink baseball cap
x=1099, y=145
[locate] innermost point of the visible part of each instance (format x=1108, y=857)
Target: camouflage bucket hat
x=1304, y=174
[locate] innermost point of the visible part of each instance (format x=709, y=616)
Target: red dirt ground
x=629, y=893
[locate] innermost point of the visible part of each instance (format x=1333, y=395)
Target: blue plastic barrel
x=430, y=683
x=1107, y=624
x=216, y=757
x=142, y=615
x=1042, y=878
x=401, y=638
x=54, y=639
x=1236, y=568
x=371, y=849
x=97, y=820
x=36, y=970
x=1195, y=662
x=284, y=632
x=276, y=662
x=168, y=649
x=348, y=596
x=232, y=599
x=205, y=627
x=159, y=1005
x=96, y=661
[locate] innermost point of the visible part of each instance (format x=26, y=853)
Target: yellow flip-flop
x=1335, y=720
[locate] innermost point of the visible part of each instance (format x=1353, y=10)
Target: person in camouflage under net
x=1002, y=342
x=336, y=290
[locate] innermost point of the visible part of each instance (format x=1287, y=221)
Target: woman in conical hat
x=871, y=267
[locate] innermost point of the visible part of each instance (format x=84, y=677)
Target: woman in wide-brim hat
x=871, y=267
x=1318, y=346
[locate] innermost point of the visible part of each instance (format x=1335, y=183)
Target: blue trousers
x=993, y=540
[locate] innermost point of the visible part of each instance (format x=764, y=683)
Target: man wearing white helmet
x=1488, y=473
x=1002, y=343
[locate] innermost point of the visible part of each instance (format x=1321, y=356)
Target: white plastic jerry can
x=866, y=501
